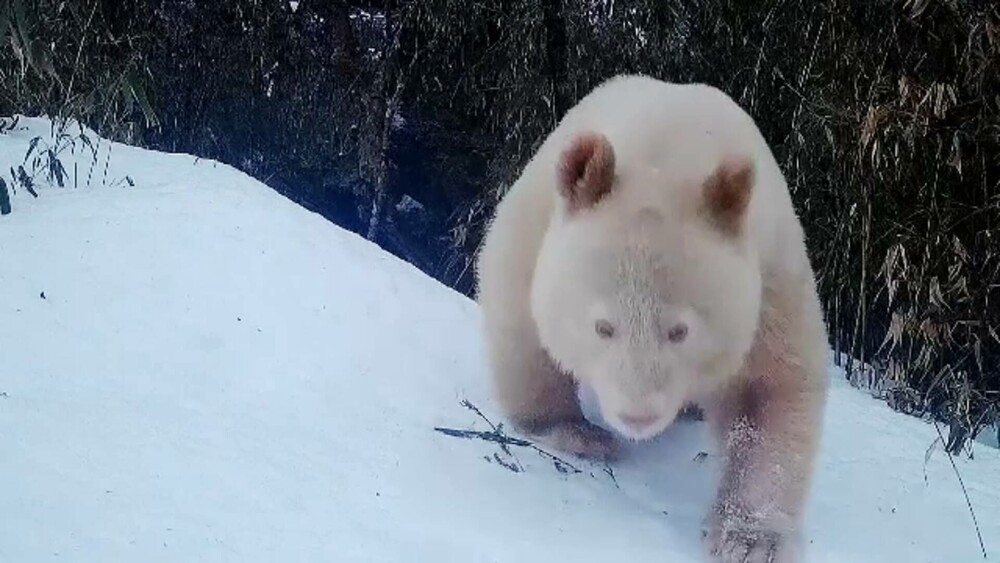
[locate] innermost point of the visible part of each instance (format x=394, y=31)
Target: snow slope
x=196, y=369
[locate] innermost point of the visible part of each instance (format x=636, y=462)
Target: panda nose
x=638, y=422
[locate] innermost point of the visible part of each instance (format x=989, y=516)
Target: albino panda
x=651, y=251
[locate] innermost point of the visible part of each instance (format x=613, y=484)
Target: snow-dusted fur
x=650, y=250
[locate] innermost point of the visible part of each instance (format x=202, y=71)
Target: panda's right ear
x=727, y=193
x=586, y=171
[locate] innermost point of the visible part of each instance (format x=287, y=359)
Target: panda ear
x=586, y=171
x=727, y=193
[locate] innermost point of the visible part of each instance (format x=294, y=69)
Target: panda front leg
x=540, y=399
x=768, y=424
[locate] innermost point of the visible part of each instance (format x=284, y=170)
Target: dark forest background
x=405, y=120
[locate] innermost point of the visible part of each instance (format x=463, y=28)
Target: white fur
x=645, y=258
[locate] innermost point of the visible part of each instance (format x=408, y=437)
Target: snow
x=216, y=374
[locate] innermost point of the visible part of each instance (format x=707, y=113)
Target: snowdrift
x=193, y=368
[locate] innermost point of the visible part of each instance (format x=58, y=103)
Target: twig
x=501, y=438
x=560, y=463
x=611, y=473
x=496, y=429
x=485, y=436
x=968, y=502
x=497, y=435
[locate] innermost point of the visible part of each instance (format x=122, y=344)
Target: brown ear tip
x=736, y=173
x=729, y=190
x=744, y=170
x=586, y=169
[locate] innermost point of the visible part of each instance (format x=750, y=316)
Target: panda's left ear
x=586, y=171
x=727, y=193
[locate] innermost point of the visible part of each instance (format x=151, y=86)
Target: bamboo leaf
x=31, y=148
x=136, y=89
x=4, y=198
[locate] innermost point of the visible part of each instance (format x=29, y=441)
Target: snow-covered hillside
x=197, y=369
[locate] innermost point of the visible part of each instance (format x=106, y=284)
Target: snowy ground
x=196, y=369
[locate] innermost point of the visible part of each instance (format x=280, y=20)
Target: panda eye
x=677, y=333
x=604, y=329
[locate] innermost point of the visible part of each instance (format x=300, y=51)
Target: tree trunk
x=381, y=163
x=388, y=91
x=345, y=46
x=554, y=22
